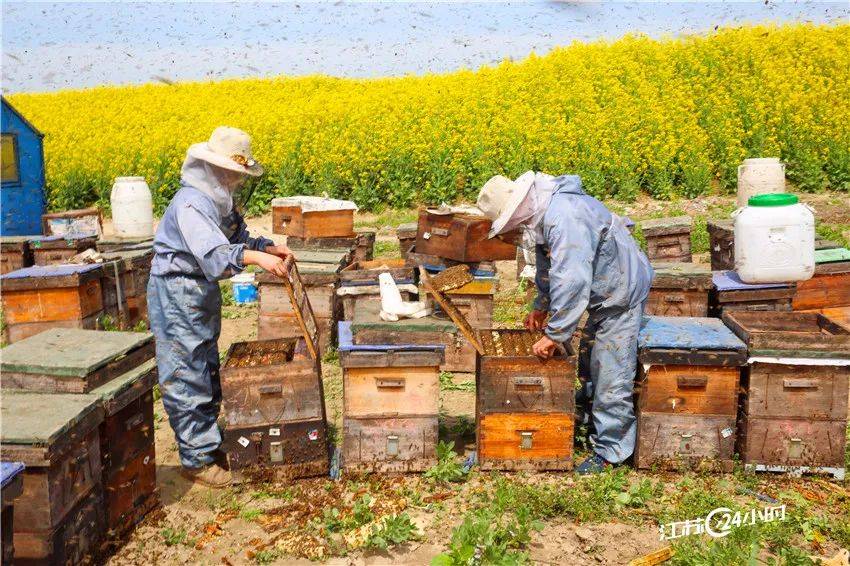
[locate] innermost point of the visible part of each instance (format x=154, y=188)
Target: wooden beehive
x=687, y=393
x=127, y=450
x=312, y=220
x=58, y=519
x=789, y=334
x=730, y=294
x=72, y=360
x=476, y=300
x=11, y=486
x=273, y=398
x=524, y=406
x=829, y=288
x=359, y=283
x=137, y=267
x=361, y=245
x=53, y=250
x=391, y=396
x=459, y=237
x=668, y=239
x=679, y=289
x=721, y=238
x=406, y=234
x=15, y=253
x=38, y=298
x=81, y=220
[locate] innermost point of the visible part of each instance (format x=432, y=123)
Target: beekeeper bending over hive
x=201, y=240
x=586, y=261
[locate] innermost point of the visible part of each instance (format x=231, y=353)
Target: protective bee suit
x=200, y=240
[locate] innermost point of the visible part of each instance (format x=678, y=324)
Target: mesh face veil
x=216, y=182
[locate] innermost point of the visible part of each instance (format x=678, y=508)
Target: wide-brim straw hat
x=500, y=197
x=228, y=148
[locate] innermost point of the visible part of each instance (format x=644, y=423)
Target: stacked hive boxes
x=52, y=250
x=274, y=408
x=406, y=234
x=391, y=398
x=687, y=393
x=794, y=408
x=828, y=292
x=524, y=406
x=668, y=239
x=679, y=289
x=117, y=372
x=721, y=238
x=729, y=293
x=460, y=236
x=319, y=272
x=358, y=283
x=15, y=253
x=135, y=265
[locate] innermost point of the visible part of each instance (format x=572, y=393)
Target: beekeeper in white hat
x=586, y=261
x=201, y=240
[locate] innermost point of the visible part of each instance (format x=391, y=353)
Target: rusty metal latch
x=270, y=389
x=392, y=445
x=528, y=381
x=439, y=231
x=390, y=383
x=526, y=440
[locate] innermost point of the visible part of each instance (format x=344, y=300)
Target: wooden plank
x=792, y=442
x=531, y=441
x=391, y=358
x=823, y=291
x=293, y=221
x=675, y=442
x=303, y=310
x=692, y=357
x=391, y=392
x=366, y=272
x=23, y=330
x=49, y=305
x=46, y=418
x=119, y=392
x=686, y=389
x=664, y=226
x=797, y=391
x=681, y=275
x=398, y=444
x=675, y=302
x=527, y=384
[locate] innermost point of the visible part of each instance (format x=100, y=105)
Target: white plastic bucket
x=758, y=176
x=132, y=208
x=774, y=240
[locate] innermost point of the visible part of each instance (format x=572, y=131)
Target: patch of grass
x=107, y=323
x=389, y=218
x=337, y=521
x=272, y=493
x=390, y=249
x=173, y=537
x=250, y=514
x=266, y=556
x=394, y=530
x=834, y=232
x=448, y=468
x=141, y=326
x=699, y=235
x=447, y=383
x=331, y=356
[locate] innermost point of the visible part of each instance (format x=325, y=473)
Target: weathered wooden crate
x=81, y=220
x=367, y=272
x=71, y=360
x=114, y=285
x=361, y=246
x=788, y=391
x=459, y=237
x=127, y=450
x=398, y=384
x=686, y=393
x=56, y=437
x=41, y=297
x=116, y=244
x=721, y=238
x=732, y=294
x=137, y=265
x=15, y=253
x=406, y=234
x=294, y=216
x=476, y=300
x=830, y=285
x=368, y=329
x=668, y=239
x=52, y=250
x=679, y=289
x=274, y=401
x=789, y=334
x=524, y=406
x=12, y=485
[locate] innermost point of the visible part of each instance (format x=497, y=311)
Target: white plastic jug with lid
x=132, y=208
x=774, y=240
x=759, y=176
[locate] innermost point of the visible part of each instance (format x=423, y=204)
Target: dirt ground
x=196, y=525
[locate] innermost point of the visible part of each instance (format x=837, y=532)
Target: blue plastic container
x=244, y=288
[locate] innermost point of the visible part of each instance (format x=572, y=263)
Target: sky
x=50, y=46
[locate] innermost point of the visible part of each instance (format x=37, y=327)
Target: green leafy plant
x=337, y=521
x=250, y=514
x=173, y=537
x=394, y=530
x=266, y=556
x=447, y=469
x=447, y=383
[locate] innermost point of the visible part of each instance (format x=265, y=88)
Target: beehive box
x=38, y=298
x=721, y=238
x=58, y=518
x=668, y=239
x=359, y=283
x=679, y=289
x=127, y=450
x=15, y=253
x=79, y=221
x=391, y=396
x=730, y=293
x=137, y=266
x=406, y=234
x=830, y=285
x=475, y=300
x=11, y=486
x=524, y=406
x=274, y=401
x=361, y=246
x=53, y=250
x=114, y=285
x=687, y=393
x=71, y=360
x=114, y=243
x=313, y=217
x=789, y=334
x=459, y=237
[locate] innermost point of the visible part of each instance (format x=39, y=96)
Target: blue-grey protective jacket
x=193, y=239
x=589, y=261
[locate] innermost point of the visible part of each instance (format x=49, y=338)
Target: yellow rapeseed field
x=669, y=117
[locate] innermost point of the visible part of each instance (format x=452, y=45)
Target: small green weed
x=173, y=537
x=447, y=383
x=394, y=530
x=447, y=469
x=250, y=514
x=267, y=556
x=337, y=521
x=387, y=250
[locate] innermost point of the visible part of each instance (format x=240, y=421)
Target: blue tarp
x=51, y=270
x=687, y=333
x=71, y=236
x=729, y=281
x=8, y=471
x=346, y=343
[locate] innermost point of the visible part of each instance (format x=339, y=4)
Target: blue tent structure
x=22, y=199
